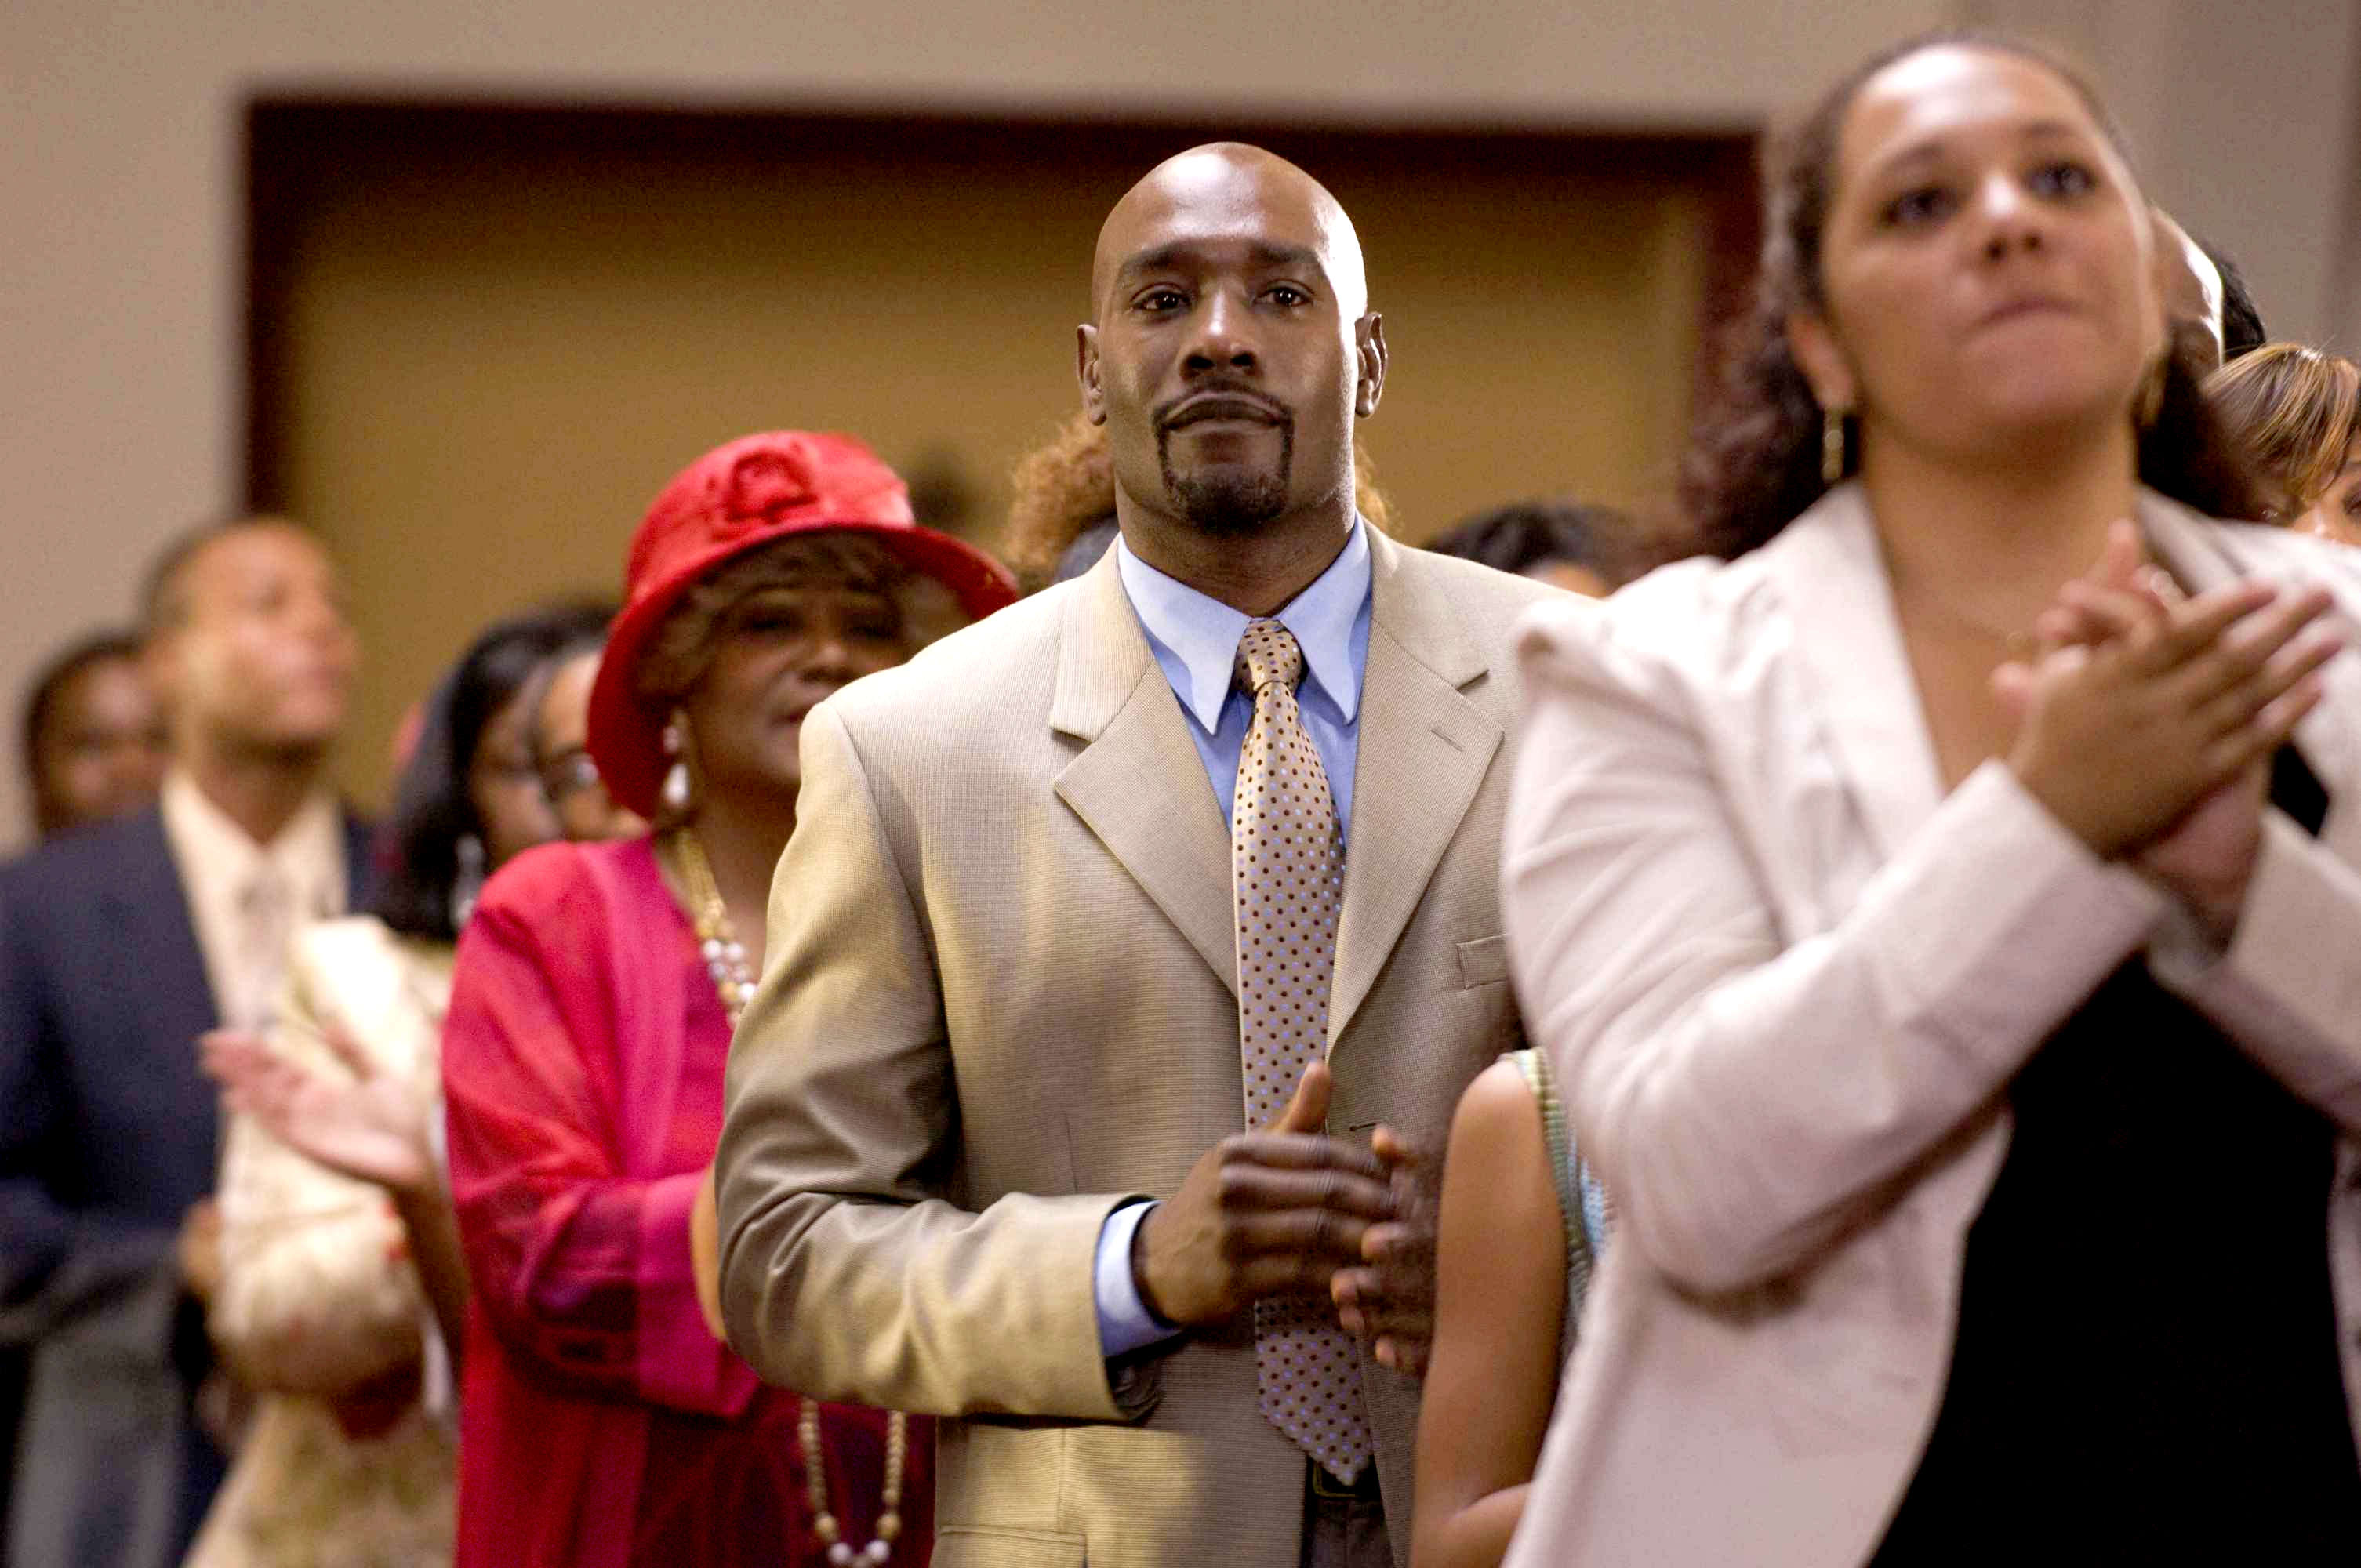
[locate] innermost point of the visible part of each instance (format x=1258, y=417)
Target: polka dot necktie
x=1287, y=863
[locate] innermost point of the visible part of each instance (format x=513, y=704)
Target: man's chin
x=1228, y=505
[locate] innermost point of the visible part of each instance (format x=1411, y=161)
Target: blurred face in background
x=1571, y=576
x=2337, y=515
x=504, y=786
x=559, y=740
x=1987, y=269
x=777, y=653
x=101, y=749
x=257, y=656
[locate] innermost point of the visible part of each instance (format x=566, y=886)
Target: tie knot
x=265, y=894
x=1269, y=652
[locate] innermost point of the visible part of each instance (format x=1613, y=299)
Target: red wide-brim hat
x=738, y=498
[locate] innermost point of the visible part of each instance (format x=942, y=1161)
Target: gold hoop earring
x=1832, y=446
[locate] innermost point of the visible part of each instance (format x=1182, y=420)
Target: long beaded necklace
x=733, y=980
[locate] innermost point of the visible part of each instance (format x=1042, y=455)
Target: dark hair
x=417, y=847
x=2242, y=321
x=1753, y=460
x=1083, y=553
x=162, y=605
x=1525, y=534
x=50, y=683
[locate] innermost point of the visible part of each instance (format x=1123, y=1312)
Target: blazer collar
x=2202, y=555
x=1848, y=642
x=1138, y=781
x=150, y=913
x=1425, y=749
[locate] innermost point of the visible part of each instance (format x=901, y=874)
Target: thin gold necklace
x=733, y=981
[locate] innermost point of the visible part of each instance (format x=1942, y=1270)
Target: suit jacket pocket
x=1484, y=960
x=986, y=1546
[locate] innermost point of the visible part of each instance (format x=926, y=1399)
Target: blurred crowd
x=1892, y=849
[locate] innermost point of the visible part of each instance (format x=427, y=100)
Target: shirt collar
x=308, y=851
x=1203, y=632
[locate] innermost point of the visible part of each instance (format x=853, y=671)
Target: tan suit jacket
x=1000, y=1000
x=1785, y=981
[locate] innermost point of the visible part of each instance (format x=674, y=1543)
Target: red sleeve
x=582, y=1267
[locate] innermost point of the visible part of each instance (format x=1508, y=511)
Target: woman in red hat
x=602, y=1423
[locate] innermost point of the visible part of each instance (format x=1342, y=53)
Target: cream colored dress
x=318, y=1291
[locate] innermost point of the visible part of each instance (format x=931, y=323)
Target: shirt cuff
x=1125, y=1322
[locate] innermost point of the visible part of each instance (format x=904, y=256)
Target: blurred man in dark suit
x=118, y=946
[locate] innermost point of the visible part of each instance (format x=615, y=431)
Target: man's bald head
x=1229, y=352
x=1229, y=190
x=2192, y=291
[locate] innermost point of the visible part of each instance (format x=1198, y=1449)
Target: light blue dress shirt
x=1195, y=641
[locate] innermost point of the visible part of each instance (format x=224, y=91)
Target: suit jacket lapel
x=360, y=863
x=151, y=911
x=1139, y=782
x=1421, y=756
x=1848, y=642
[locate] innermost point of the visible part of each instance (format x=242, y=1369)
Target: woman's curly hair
x=1066, y=486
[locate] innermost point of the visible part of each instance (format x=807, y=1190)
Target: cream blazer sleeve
x=317, y=1291
x=2289, y=985
x=1748, y=1090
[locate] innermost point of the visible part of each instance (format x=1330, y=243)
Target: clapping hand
x=1271, y=1212
x=2217, y=684
x=371, y=1125
x=1389, y=1300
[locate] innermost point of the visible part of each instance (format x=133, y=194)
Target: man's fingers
x=1388, y=1146
x=1294, y=1266
x=1307, y=1109
x=1302, y=1151
x=1264, y=1190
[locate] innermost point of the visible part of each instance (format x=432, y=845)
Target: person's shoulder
x=2272, y=550
x=1687, y=612
x=971, y=678
x=552, y=876
x=80, y=863
x=346, y=939
x=1498, y=1104
x=1472, y=586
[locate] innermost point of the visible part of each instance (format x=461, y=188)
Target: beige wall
x=496, y=350
x=120, y=284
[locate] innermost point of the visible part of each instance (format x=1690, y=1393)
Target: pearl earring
x=676, y=792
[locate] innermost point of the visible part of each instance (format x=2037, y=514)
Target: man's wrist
x=1125, y=1321
x=1140, y=1284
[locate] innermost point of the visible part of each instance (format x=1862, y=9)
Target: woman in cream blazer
x=332, y=1197
x=1809, y=857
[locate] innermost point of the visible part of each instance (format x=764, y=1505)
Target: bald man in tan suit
x=998, y=1148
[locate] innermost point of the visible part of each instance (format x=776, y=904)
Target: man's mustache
x=1221, y=400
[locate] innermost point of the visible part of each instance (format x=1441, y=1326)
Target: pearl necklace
x=733, y=981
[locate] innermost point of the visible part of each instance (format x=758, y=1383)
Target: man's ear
x=1822, y=362
x=1086, y=371
x=1370, y=361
